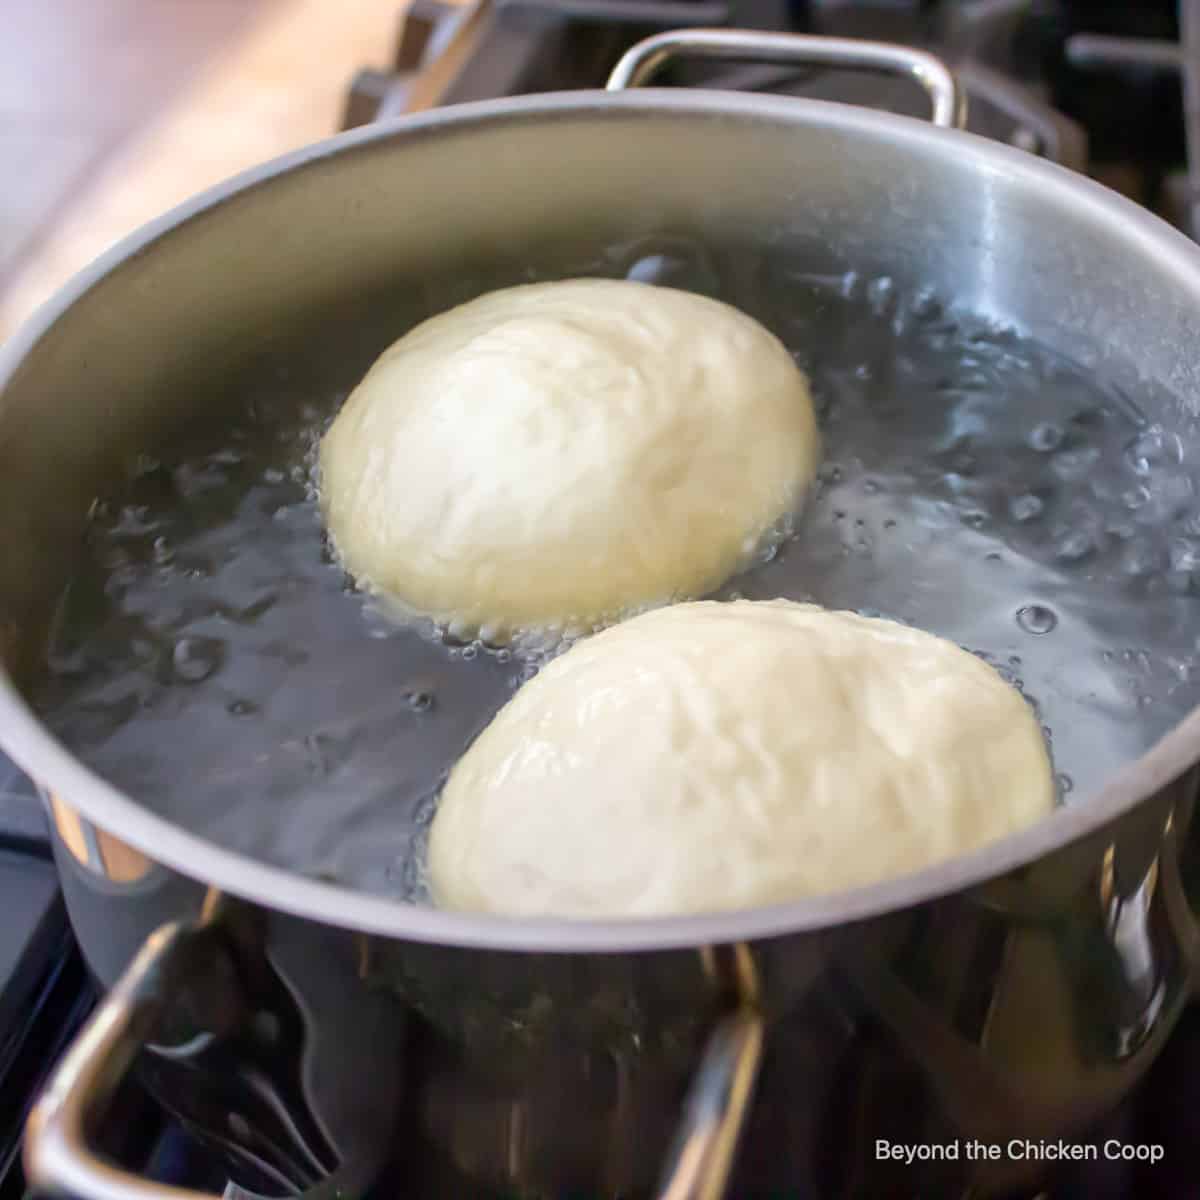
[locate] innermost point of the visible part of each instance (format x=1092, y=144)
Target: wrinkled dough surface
x=722, y=756
x=555, y=454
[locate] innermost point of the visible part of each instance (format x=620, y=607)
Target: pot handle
x=645, y=59
x=58, y=1158
x=715, y=1110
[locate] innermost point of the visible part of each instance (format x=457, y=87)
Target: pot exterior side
x=1023, y=1009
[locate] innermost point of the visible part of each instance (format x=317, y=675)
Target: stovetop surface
x=43, y=991
x=1124, y=125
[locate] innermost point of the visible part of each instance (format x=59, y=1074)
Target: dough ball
x=559, y=454
x=724, y=756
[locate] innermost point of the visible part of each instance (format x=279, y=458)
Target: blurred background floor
x=112, y=111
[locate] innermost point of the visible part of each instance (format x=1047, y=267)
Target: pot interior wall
x=314, y=270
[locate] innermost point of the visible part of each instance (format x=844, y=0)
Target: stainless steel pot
x=1016, y=992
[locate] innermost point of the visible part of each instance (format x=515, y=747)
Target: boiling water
x=213, y=659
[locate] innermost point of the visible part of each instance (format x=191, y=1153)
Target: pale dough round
x=557, y=454
x=723, y=756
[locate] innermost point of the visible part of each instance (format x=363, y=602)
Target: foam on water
x=212, y=657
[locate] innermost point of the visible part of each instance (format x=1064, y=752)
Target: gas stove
x=1106, y=87
x=1098, y=87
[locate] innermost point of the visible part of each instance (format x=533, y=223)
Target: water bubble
x=133, y=520
x=674, y=262
x=830, y=473
x=863, y=372
x=1046, y=437
x=975, y=518
x=958, y=484
x=1135, y=497
x=925, y=305
x=1076, y=464
x=419, y=699
x=1065, y=783
x=194, y=659
x=1036, y=618
x=870, y=486
x=457, y=631
x=1171, y=497
x=470, y=652
x=1026, y=507
x=1185, y=555
x=890, y=523
x=163, y=554
x=494, y=635
x=241, y=708
x=192, y=480
x=1075, y=547
x=881, y=295
x=323, y=753
x=1154, y=448
x=1142, y=558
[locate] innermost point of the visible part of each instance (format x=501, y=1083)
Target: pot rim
x=57, y=771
